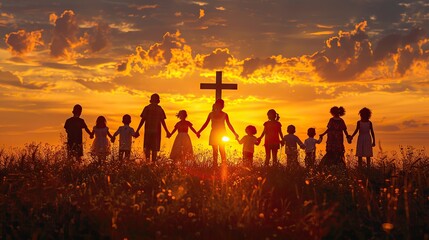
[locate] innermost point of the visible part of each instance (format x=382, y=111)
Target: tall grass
x=44, y=196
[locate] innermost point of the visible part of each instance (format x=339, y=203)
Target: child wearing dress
x=310, y=148
x=74, y=126
x=249, y=141
x=101, y=146
x=218, y=118
x=182, y=147
x=366, y=138
x=126, y=133
x=335, y=142
x=292, y=142
x=273, y=135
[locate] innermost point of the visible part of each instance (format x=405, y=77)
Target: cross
x=219, y=86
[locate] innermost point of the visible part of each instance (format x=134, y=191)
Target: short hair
x=338, y=111
x=100, y=122
x=126, y=119
x=291, y=129
x=77, y=109
x=365, y=113
x=251, y=130
x=311, y=132
x=154, y=98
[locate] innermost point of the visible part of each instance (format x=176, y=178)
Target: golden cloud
x=22, y=42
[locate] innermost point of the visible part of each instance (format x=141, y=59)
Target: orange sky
x=69, y=56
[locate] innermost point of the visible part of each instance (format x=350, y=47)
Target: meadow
x=44, y=196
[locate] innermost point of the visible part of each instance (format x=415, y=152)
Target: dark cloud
x=99, y=38
x=92, y=61
x=97, y=86
x=349, y=54
x=217, y=59
x=22, y=42
x=10, y=79
x=64, y=38
x=250, y=65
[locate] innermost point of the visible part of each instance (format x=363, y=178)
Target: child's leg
x=121, y=153
x=275, y=160
x=359, y=162
x=222, y=154
x=127, y=154
x=267, y=156
x=215, y=155
x=154, y=155
x=368, y=162
x=147, y=154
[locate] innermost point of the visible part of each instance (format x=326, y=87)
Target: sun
x=225, y=139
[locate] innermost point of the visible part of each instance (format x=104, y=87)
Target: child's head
x=311, y=132
x=365, y=114
x=273, y=115
x=154, y=98
x=126, y=119
x=338, y=111
x=251, y=130
x=182, y=114
x=77, y=110
x=291, y=129
x=219, y=105
x=101, y=122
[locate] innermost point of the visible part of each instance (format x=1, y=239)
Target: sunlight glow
x=225, y=139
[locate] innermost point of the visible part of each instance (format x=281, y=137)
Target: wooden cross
x=219, y=86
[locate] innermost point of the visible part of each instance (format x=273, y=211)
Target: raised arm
x=372, y=134
x=230, y=126
x=205, y=124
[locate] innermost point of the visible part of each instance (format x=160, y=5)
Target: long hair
x=273, y=115
x=337, y=111
x=101, y=122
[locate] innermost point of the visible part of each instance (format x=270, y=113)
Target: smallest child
x=249, y=141
x=291, y=142
x=125, y=138
x=310, y=148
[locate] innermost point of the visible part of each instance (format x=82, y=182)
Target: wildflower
x=261, y=215
x=160, y=210
x=387, y=227
x=182, y=211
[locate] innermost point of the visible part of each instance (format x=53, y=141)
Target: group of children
x=153, y=117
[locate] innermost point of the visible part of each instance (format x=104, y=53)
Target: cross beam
x=219, y=86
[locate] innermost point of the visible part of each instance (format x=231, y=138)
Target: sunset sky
x=297, y=57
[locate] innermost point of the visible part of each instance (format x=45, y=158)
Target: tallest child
x=153, y=116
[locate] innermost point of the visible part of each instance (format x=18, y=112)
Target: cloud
x=170, y=58
x=218, y=59
x=64, y=39
x=250, y=65
x=22, y=42
x=97, y=85
x=99, y=39
x=347, y=56
x=10, y=79
x=6, y=19
x=202, y=13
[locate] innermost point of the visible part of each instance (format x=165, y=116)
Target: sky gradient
x=298, y=57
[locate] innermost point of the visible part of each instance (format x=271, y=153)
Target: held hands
x=136, y=135
x=236, y=136
x=198, y=134
x=349, y=139
x=112, y=139
x=91, y=136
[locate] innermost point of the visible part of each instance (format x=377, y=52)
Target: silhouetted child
x=126, y=133
x=335, y=141
x=153, y=116
x=292, y=142
x=101, y=145
x=74, y=126
x=366, y=138
x=273, y=135
x=310, y=148
x=218, y=118
x=249, y=141
x=182, y=147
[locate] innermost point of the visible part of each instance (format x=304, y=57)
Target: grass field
x=43, y=196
